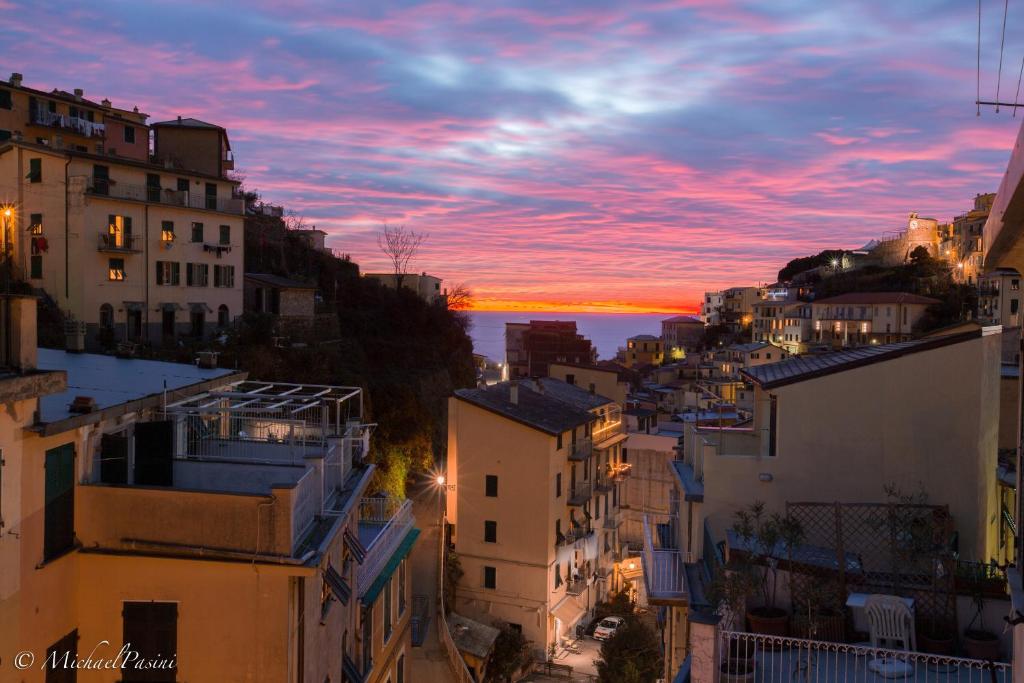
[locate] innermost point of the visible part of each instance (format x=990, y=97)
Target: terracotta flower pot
x=769, y=621
x=981, y=645
x=936, y=642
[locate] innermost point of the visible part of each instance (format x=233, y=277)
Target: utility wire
x=1017, y=96
x=978, y=98
x=1002, y=43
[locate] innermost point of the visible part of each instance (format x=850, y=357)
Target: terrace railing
x=394, y=528
x=775, y=659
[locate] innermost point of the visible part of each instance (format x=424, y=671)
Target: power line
x=1002, y=43
x=1017, y=96
x=978, y=98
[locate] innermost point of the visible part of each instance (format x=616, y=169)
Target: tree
x=452, y=573
x=400, y=245
x=460, y=297
x=511, y=653
x=632, y=655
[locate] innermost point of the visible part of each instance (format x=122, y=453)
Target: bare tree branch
x=400, y=245
x=460, y=297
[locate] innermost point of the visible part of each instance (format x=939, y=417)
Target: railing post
x=705, y=637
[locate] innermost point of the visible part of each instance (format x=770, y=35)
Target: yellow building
x=153, y=504
x=598, y=379
x=643, y=350
x=135, y=250
x=553, y=450
x=864, y=318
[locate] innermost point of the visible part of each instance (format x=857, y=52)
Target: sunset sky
x=588, y=155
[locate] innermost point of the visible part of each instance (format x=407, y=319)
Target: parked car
x=607, y=627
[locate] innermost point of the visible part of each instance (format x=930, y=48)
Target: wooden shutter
x=63, y=671
x=151, y=629
x=59, y=514
x=154, y=450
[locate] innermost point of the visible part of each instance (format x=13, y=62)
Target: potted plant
x=979, y=642
x=729, y=592
x=817, y=611
x=763, y=536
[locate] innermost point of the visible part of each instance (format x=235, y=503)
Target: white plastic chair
x=890, y=622
x=891, y=626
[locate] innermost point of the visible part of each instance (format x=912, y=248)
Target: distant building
x=315, y=238
x=861, y=318
x=785, y=323
x=967, y=250
x=999, y=297
x=737, y=357
x=681, y=333
x=644, y=350
x=711, y=308
x=193, y=144
x=531, y=347
x=597, y=379
x=426, y=286
x=280, y=296
x=554, y=450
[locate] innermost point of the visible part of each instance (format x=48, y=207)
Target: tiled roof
x=877, y=298
x=684, y=319
x=188, y=123
x=800, y=368
x=542, y=411
x=570, y=393
x=751, y=346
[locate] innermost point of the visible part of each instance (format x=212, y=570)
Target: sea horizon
x=608, y=331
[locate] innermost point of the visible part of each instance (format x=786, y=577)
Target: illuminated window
x=35, y=224
x=116, y=269
x=167, y=231
x=119, y=231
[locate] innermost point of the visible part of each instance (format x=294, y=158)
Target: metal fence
x=755, y=658
x=455, y=661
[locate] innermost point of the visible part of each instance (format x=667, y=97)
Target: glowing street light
x=439, y=480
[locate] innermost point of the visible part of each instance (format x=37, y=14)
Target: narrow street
x=429, y=662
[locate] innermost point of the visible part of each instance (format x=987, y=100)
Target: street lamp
x=8, y=214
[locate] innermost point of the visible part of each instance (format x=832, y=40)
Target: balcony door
x=154, y=465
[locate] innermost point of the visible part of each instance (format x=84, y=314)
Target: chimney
x=78, y=94
x=20, y=332
x=105, y=103
x=513, y=393
x=15, y=80
x=179, y=118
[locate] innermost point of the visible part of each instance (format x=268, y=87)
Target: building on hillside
x=863, y=318
x=644, y=350
x=786, y=324
x=280, y=296
x=711, y=308
x=134, y=251
x=315, y=238
x=737, y=357
x=597, y=379
x=646, y=491
x=183, y=501
x=67, y=121
x=531, y=347
x=966, y=248
x=553, y=449
x=680, y=334
x=427, y=287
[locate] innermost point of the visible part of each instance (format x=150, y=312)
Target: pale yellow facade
x=601, y=381
x=124, y=245
x=541, y=572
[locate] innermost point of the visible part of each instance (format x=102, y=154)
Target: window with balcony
x=35, y=224
x=491, y=485
x=197, y=232
x=225, y=234
x=152, y=187
x=115, y=270
x=490, y=531
x=35, y=170
x=100, y=179
x=211, y=196
x=490, y=577
x=119, y=232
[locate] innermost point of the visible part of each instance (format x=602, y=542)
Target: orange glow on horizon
x=535, y=306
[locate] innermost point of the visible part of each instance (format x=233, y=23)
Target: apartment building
x=155, y=503
x=597, y=379
x=999, y=297
x=738, y=307
x=786, y=324
x=134, y=250
x=862, y=318
x=67, y=120
x=531, y=347
x=644, y=350
x=680, y=334
x=737, y=357
x=556, y=450
x=711, y=308
x=966, y=247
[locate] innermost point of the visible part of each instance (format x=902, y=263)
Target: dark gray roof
x=188, y=123
x=749, y=346
x=802, y=368
x=471, y=636
x=693, y=489
x=278, y=281
x=645, y=337
x=639, y=412
x=544, y=411
x=572, y=394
